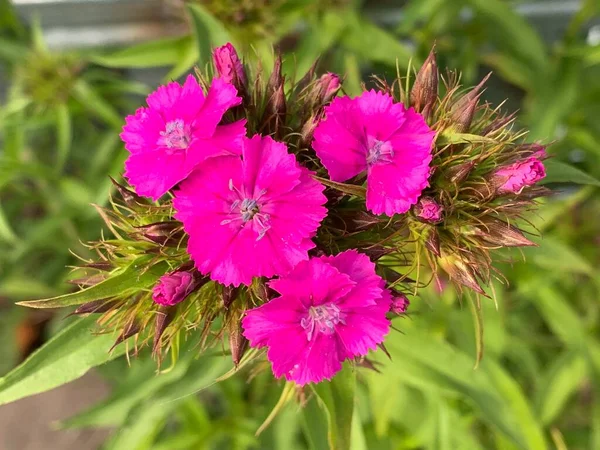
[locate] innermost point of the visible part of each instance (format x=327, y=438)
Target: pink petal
x=221, y=96
x=381, y=116
x=153, y=173
x=320, y=361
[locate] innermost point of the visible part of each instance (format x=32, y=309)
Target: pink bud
x=173, y=288
x=399, y=303
x=228, y=65
x=329, y=84
x=515, y=177
x=428, y=210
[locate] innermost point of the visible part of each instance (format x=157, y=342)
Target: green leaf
x=209, y=32
x=6, y=232
x=137, y=276
x=449, y=137
x=564, y=377
x=91, y=100
x=559, y=172
x=64, y=135
x=375, y=44
x=162, y=52
x=502, y=21
x=145, y=421
x=558, y=258
x=337, y=399
x=65, y=357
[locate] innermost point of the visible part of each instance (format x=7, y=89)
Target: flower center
x=247, y=210
x=176, y=135
x=322, y=319
x=379, y=151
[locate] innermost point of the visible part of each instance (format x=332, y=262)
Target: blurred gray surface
x=28, y=423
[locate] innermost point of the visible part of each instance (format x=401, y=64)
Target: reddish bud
x=497, y=232
x=432, y=242
x=464, y=109
x=130, y=198
x=131, y=329
x=275, y=111
x=399, y=304
x=515, y=177
x=164, y=316
x=174, y=287
x=460, y=172
x=329, y=84
x=229, y=295
x=237, y=342
x=169, y=233
x=96, y=307
x=428, y=210
x=424, y=92
x=229, y=67
x=460, y=271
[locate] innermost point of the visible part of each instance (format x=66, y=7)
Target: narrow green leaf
x=161, y=52
x=64, y=134
x=137, y=276
x=564, y=377
x=6, y=232
x=478, y=324
x=209, y=32
x=92, y=101
x=337, y=399
x=560, y=172
x=449, y=137
x=557, y=257
x=65, y=357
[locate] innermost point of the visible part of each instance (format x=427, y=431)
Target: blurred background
x=70, y=70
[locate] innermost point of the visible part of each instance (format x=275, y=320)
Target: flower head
x=177, y=131
x=250, y=216
x=228, y=65
x=515, y=177
x=392, y=144
x=173, y=288
x=428, y=210
x=330, y=309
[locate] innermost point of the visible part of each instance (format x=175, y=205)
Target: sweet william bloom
x=515, y=177
x=228, y=65
x=177, y=131
x=250, y=216
x=330, y=309
x=372, y=133
x=428, y=210
x=173, y=288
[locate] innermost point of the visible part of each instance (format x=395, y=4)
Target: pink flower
x=392, y=144
x=428, y=210
x=517, y=176
x=177, y=131
x=251, y=216
x=331, y=309
x=173, y=288
x=399, y=303
x=228, y=65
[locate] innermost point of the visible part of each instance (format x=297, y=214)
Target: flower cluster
x=288, y=211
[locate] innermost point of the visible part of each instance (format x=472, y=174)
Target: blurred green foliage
x=538, y=385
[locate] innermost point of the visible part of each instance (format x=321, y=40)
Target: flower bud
x=428, y=210
x=237, y=342
x=229, y=67
x=130, y=198
x=329, y=84
x=497, y=232
x=424, y=92
x=96, y=307
x=515, y=177
x=460, y=271
x=274, y=116
x=464, y=109
x=173, y=288
x=130, y=329
x=169, y=233
x=460, y=172
x=228, y=295
x=164, y=316
x=432, y=242
x=399, y=304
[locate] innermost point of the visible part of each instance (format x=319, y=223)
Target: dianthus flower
x=177, y=131
x=250, y=216
x=330, y=309
x=372, y=133
x=515, y=177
